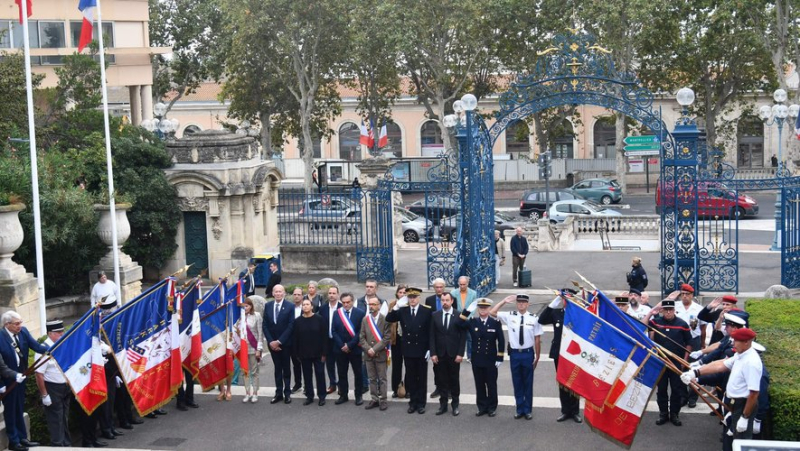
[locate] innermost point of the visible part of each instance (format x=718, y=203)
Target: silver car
x=414, y=225
x=562, y=209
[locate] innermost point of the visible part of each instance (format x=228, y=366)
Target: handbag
x=401, y=390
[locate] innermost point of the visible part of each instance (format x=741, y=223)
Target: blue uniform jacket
x=488, y=341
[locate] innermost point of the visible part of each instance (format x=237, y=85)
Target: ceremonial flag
x=364, y=138
x=237, y=329
x=28, y=4
x=87, y=8
x=592, y=356
x=191, y=345
x=383, y=138
x=620, y=422
x=213, y=368
x=628, y=325
x=144, y=339
x=81, y=361
x=796, y=124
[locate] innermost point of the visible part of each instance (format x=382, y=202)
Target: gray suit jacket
x=369, y=341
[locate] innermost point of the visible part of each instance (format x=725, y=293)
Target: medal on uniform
x=476, y=329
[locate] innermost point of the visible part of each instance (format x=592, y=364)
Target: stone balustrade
x=640, y=225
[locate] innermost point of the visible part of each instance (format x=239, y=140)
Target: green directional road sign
x=652, y=146
x=649, y=139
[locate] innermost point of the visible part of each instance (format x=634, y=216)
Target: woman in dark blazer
x=310, y=337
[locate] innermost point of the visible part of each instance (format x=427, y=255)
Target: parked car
x=532, y=203
x=448, y=229
x=713, y=199
x=414, y=226
x=329, y=211
x=604, y=191
x=435, y=208
x=561, y=210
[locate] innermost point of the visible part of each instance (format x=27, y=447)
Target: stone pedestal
x=373, y=170
x=130, y=273
x=19, y=290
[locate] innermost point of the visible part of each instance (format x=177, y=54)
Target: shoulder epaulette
x=426, y=306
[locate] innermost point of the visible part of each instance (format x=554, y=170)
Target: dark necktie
x=414, y=312
x=17, y=347
x=347, y=313
x=521, y=333
x=277, y=310
x=446, y=320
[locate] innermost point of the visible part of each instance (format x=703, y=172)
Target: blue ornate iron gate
x=790, y=238
x=374, y=249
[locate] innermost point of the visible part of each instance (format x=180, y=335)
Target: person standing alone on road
x=499, y=254
x=519, y=250
x=637, y=278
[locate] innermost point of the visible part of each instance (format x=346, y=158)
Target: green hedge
x=777, y=322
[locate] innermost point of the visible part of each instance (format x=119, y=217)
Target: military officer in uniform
x=524, y=346
x=54, y=390
x=554, y=314
x=487, y=353
x=415, y=319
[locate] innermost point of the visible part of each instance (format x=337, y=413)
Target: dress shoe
x=371, y=405
x=421, y=410
x=662, y=419
x=116, y=432
x=692, y=404
x=160, y=412
x=412, y=409
x=331, y=389
x=480, y=413
x=563, y=417
x=342, y=400
x=140, y=421
x=108, y=435
x=276, y=400
x=182, y=407
x=577, y=418
x=528, y=416
x=492, y=413
x=192, y=404
x=321, y=402
x=359, y=401
x=442, y=410
x=28, y=443
x=456, y=411
x=435, y=394
x=308, y=401
x=383, y=405
x=127, y=426
x=395, y=395
x=151, y=415
x=17, y=447
x=675, y=419
x=517, y=416
x=98, y=444
x=287, y=400
x=297, y=388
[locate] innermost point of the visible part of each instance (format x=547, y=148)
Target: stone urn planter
x=104, y=231
x=11, y=236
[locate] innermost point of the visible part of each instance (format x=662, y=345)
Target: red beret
x=743, y=334
x=730, y=299
x=687, y=287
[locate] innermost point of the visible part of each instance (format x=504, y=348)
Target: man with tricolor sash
x=346, y=327
x=374, y=339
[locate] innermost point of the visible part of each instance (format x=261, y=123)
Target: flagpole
x=37, y=216
x=109, y=165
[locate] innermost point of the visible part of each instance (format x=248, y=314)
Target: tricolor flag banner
x=620, y=422
x=189, y=329
x=81, y=361
x=628, y=325
x=364, y=137
x=383, y=138
x=592, y=356
x=237, y=329
x=796, y=124
x=88, y=9
x=213, y=334
x=28, y=4
x=144, y=338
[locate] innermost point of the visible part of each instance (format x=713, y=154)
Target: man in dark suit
x=327, y=311
x=487, y=353
x=416, y=322
x=249, y=279
x=447, y=343
x=554, y=314
x=346, y=348
x=434, y=301
x=15, y=344
x=278, y=322
x=274, y=279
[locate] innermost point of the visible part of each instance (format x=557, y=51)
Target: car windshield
x=502, y=216
x=410, y=215
x=614, y=183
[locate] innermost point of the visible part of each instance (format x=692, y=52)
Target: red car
x=713, y=199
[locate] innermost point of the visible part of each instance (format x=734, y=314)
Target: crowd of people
x=315, y=340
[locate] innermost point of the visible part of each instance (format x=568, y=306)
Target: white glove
x=402, y=302
x=696, y=354
x=119, y=381
x=2, y=390
x=427, y=356
x=556, y=303
x=741, y=425
x=472, y=307
x=104, y=348
x=688, y=377
x=497, y=364
x=20, y=377
x=730, y=433
x=695, y=365
x=47, y=401
x=756, y=426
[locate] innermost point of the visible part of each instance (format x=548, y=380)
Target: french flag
x=593, y=355
x=78, y=355
x=28, y=5
x=87, y=8
x=237, y=340
x=213, y=367
x=366, y=138
x=796, y=124
x=383, y=138
x=190, y=328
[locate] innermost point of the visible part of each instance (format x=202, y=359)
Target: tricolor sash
x=373, y=326
x=346, y=322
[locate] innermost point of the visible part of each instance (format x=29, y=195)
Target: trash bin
x=262, y=262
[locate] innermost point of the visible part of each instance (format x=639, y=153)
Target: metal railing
x=319, y=219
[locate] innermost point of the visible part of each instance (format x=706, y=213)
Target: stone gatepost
x=19, y=290
x=373, y=170
x=130, y=273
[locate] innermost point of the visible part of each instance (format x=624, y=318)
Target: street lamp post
x=777, y=115
x=161, y=126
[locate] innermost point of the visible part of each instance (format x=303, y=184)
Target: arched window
x=395, y=140
x=431, y=139
x=563, y=137
x=605, y=137
x=349, y=147
x=750, y=143
x=518, y=139
x=317, y=144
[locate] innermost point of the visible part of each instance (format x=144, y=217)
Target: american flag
x=135, y=354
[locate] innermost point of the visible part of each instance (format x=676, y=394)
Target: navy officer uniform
x=15, y=345
x=675, y=336
x=488, y=344
x=277, y=325
x=415, y=318
x=554, y=314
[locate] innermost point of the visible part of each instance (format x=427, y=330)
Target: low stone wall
x=298, y=258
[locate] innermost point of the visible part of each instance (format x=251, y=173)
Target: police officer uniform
x=58, y=392
x=523, y=332
x=675, y=335
x=487, y=355
x=416, y=324
x=554, y=314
